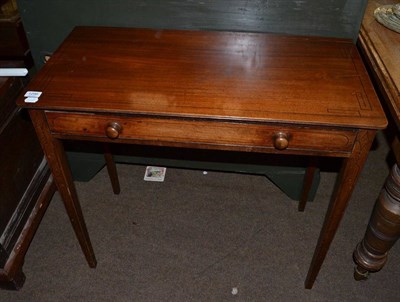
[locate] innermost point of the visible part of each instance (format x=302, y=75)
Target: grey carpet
x=195, y=237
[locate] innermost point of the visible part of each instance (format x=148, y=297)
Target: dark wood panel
x=9, y=89
x=13, y=42
x=381, y=47
x=23, y=175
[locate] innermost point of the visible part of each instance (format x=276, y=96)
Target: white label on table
x=33, y=94
x=31, y=100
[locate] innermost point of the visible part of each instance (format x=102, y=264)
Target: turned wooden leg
x=345, y=183
x=112, y=169
x=56, y=158
x=383, y=229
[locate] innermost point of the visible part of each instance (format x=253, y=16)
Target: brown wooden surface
x=210, y=90
x=383, y=229
x=23, y=170
x=13, y=42
x=243, y=136
x=381, y=49
x=11, y=275
x=240, y=76
x=112, y=169
x=58, y=164
x=20, y=152
x=307, y=183
x=23, y=178
x=344, y=186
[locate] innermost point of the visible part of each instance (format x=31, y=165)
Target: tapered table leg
x=307, y=184
x=346, y=181
x=56, y=158
x=383, y=229
x=112, y=169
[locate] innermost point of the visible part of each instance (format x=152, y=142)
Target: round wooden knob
x=113, y=130
x=281, y=141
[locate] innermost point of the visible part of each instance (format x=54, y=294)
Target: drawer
x=170, y=131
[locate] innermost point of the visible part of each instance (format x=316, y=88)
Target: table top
x=383, y=48
x=235, y=76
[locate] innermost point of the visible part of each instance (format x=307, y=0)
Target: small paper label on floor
x=155, y=173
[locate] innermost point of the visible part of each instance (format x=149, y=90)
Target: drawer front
x=165, y=131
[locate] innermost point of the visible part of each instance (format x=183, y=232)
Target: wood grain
x=208, y=90
x=240, y=136
x=219, y=75
x=381, y=47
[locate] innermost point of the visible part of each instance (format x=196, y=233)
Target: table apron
x=203, y=133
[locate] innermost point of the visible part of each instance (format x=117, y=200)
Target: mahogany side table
x=228, y=91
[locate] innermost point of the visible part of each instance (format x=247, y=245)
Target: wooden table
x=211, y=90
x=381, y=50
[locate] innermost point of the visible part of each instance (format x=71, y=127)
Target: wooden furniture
x=381, y=48
x=211, y=90
x=26, y=186
x=219, y=15
x=13, y=41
